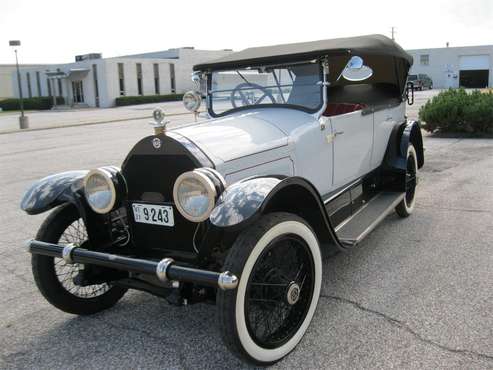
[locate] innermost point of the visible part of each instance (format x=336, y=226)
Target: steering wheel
x=246, y=100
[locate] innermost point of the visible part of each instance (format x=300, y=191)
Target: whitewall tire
x=406, y=206
x=279, y=263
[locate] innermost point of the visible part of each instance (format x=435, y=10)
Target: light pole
x=23, y=120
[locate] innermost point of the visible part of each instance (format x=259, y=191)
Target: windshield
x=296, y=86
x=412, y=78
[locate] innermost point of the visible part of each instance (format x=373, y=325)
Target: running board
x=357, y=227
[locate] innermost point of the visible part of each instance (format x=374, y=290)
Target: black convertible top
x=361, y=45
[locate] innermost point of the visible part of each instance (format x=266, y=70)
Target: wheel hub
x=293, y=293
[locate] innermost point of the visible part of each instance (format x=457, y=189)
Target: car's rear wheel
x=406, y=206
x=279, y=264
x=57, y=280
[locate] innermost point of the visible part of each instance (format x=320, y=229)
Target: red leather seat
x=335, y=109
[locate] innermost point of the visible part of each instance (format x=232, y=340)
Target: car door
x=384, y=121
x=353, y=142
x=314, y=153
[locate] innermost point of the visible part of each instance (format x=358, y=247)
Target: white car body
x=329, y=152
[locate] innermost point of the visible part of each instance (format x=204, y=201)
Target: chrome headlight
x=195, y=194
x=102, y=187
x=192, y=101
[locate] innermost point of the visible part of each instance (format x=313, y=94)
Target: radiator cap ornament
x=159, y=122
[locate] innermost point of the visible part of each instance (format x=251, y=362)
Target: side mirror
x=410, y=93
x=355, y=70
x=355, y=63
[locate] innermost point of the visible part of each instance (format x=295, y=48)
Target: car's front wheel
x=60, y=282
x=279, y=263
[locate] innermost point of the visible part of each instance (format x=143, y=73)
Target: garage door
x=474, y=62
x=474, y=71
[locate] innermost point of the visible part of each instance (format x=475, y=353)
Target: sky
x=54, y=31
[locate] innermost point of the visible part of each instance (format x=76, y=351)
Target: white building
x=467, y=66
x=96, y=82
x=6, y=75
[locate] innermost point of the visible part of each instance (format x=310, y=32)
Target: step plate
x=355, y=228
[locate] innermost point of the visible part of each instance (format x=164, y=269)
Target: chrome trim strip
x=344, y=189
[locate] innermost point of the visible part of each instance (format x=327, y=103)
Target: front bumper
x=166, y=270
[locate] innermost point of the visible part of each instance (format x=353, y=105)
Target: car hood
x=235, y=136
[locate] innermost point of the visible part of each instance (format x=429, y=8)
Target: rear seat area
x=335, y=109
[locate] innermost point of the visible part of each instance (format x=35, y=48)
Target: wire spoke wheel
x=74, y=288
x=279, y=263
x=279, y=291
x=66, y=273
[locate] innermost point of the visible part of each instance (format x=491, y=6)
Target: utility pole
x=393, y=33
x=23, y=120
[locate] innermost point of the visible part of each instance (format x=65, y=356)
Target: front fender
x=51, y=191
x=243, y=202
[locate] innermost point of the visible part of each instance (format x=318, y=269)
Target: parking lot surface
x=417, y=293
x=9, y=121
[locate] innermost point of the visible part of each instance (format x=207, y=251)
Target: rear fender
x=412, y=135
x=395, y=164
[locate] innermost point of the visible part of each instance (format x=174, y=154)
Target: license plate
x=153, y=214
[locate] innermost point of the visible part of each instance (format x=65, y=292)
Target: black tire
x=406, y=207
x=291, y=283
x=87, y=300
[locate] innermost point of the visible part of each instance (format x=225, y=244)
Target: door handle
x=331, y=137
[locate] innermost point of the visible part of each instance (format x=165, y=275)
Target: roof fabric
x=361, y=45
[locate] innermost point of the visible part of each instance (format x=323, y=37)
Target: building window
x=156, y=79
x=29, y=89
x=60, y=87
x=172, y=77
x=48, y=83
x=96, y=86
x=139, y=79
x=424, y=59
x=38, y=84
x=121, y=79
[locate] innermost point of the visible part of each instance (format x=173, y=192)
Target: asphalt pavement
x=416, y=294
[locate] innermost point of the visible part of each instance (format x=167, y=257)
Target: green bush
x=38, y=103
x=459, y=111
x=145, y=99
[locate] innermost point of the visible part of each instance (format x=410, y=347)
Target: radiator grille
x=150, y=178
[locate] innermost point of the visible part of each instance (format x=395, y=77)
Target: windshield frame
x=209, y=99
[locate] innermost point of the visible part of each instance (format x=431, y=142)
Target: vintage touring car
x=306, y=149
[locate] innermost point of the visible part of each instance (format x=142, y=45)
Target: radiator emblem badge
x=156, y=143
